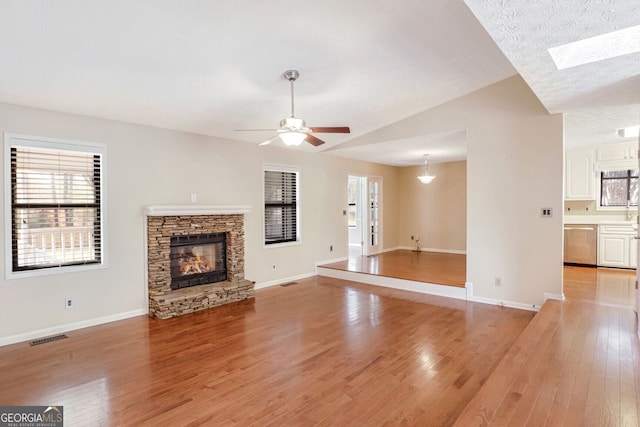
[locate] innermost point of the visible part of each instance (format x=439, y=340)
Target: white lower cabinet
x=616, y=246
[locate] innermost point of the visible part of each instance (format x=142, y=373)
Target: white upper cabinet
x=617, y=151
x=580, y=175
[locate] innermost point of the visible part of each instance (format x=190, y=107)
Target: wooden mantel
x=173, y=210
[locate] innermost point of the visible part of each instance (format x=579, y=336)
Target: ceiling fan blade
x=269, y=141
x=313, y=140
x=343, y=129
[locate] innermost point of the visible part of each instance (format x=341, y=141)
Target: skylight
x=599, y=48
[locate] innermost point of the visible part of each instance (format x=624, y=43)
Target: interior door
x=374, y=216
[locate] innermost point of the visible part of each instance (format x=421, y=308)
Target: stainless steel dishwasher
x=581, y=244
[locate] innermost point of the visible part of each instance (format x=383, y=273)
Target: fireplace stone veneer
x=163, y=222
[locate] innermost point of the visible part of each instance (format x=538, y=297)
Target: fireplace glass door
x=198, y=259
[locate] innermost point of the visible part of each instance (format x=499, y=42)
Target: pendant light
x=426, y=178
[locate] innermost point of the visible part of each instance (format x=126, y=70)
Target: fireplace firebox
x=198, y=259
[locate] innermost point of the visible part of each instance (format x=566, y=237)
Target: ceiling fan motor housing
x=291, y=75
x=293, y=124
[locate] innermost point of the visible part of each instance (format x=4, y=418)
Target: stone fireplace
x=195, y=258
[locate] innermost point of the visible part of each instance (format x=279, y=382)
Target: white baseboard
x=283, y=280
x=444, y=251
x=391, y=249
x=557, y=297
x=391, y=282
x=501, y=303
x=28, y=336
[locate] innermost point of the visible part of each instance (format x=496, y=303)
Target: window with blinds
x=280, y=206
x=55, y=207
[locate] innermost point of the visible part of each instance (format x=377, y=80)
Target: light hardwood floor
x=430, y=267
x=321, y=352
x=332, y=352
x=576, y=364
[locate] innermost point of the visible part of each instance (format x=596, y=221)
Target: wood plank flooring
x=332, y=352
x=321, y=352
x=576, y=364
x=429, y=267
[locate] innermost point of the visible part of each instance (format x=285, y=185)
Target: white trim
x=330, y=261
x=280, y=245
x=284, y=168
x=395, y=283
x=444, y=251
x=500, y=303
x=282, y=281
x=57, y=144
x=12, y=339
x=145, y=242
x=176, y=210
x=367, y=248
x=465, y=293
x=557, y=297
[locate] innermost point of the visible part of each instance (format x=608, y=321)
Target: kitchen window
x=619, y=188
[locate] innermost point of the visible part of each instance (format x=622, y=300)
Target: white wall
x=148, y=166
x=514, y=168
x=436, y=212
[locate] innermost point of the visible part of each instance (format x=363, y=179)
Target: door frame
x=375, y=245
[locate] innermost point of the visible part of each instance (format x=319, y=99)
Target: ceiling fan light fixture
x=292, y=123
x=426, y=178
x=292, y=138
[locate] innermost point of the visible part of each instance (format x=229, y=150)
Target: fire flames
x=190, y=263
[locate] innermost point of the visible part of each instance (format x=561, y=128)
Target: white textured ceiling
x=598, y=97
x=211, y=67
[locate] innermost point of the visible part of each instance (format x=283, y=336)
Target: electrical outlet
x=194, y=198
x=498, y=281
x=68, y=303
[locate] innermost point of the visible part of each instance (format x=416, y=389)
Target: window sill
x=52, y=271
x=282, y=245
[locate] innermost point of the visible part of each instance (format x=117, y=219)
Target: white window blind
x=280, y=206
x=55, y=207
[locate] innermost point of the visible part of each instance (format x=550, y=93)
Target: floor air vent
x=48, y=339
x=289, y=284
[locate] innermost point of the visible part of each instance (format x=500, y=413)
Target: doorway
x=364, y=215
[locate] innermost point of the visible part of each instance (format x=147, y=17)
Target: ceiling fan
x=294, y=130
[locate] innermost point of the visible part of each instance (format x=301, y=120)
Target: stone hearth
x=163, y=222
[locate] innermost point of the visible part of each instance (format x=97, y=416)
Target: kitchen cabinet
x=616, y=246
x=617, y=151
x=580, y=175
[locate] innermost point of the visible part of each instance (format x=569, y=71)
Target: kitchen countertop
x=597, y=219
